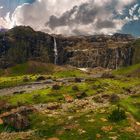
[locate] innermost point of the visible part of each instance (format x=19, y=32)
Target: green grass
x=15, y=80
x=69, y=73
x=128, y=70
x=47, y=127
x=132, y=104
x=136, y=55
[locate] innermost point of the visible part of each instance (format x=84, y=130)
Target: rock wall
x=21, y=44
x=93, y=51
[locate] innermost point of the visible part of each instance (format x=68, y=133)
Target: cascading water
x=55, y=51
x=116, y=57
x=130, y=54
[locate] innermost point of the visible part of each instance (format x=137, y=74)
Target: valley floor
x=69, y=106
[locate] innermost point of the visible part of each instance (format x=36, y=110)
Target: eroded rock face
x=21, y=44
x=17, y=118
x=97, y=51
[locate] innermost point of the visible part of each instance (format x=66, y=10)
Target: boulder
x=17, y=118
x=81, y=95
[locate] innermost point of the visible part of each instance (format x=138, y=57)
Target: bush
x=117, y=115
x=114, y=98
x=26, y=79
x=75, y=88
x=55, y=87
x=40, y=78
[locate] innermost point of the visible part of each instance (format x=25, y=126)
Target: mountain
x=22, y=44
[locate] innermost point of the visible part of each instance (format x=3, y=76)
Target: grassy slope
x=136, y=55
x=133, y=71
x=15, y=75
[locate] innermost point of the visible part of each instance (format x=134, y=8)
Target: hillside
x=22, y=44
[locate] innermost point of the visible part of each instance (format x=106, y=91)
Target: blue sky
x=73, y=17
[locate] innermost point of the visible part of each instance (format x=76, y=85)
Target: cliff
x=21, y=44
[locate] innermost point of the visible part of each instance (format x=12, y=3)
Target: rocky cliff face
x=21, y=44
x=93, y=51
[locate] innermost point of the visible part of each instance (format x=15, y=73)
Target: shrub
x=114, y=98
x=26, y=79
x=40, y=78
x=117, y=115
x=55, y=87
x=75, y=88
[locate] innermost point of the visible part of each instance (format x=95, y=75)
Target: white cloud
x=1, y=7
x=96, y=18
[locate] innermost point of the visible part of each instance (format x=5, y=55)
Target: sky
x=73, y=17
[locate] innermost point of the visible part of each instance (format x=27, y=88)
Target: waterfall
x=116, y=57
x=55, y=51
x=130, y=54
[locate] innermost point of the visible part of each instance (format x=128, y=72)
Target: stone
x=114, y=98
x=129, y=129
x=108, y=75
x=103, y=119
x=81, y=131
x=75, y=88
x=98, y=136
x=1, y=121
x=107, y=128
x=92, y=120
x=113, y=137
x=54, y=138
x=70, y=127
x=41, y=78
x=138, y=123
x=81, y=95
x=17, y=118
x=53, y=106
x=55, y=87
x=68, y=98
x=18, y=121
x=78, y=80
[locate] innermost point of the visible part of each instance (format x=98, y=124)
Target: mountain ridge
x=22, y=43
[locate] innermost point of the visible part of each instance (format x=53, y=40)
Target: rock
x=129, y=129
x=108, y=75
x=114, y=98
x=113, y=138
x=4, y=106
x=17, y=118
x=98, y=136
x=1, y=121
x=54, y=138
x=78, y=80
x=53, y=106
x=19, y=92
x=81, y=131
x=70, y=117
x=26, y=79
x=103, y=119
x=70, y=127
x=92, y=120
x=75, y=88
x=81, y=95
x=68, y=98
x=105, y=96
x=107, y=128
x=55, y=87
x=40, y=78
x=98, y=99
x=138, y=123
x=60, y=132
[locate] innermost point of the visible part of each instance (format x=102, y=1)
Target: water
x=130, y=54
x=117, y=57
x=55, y=51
